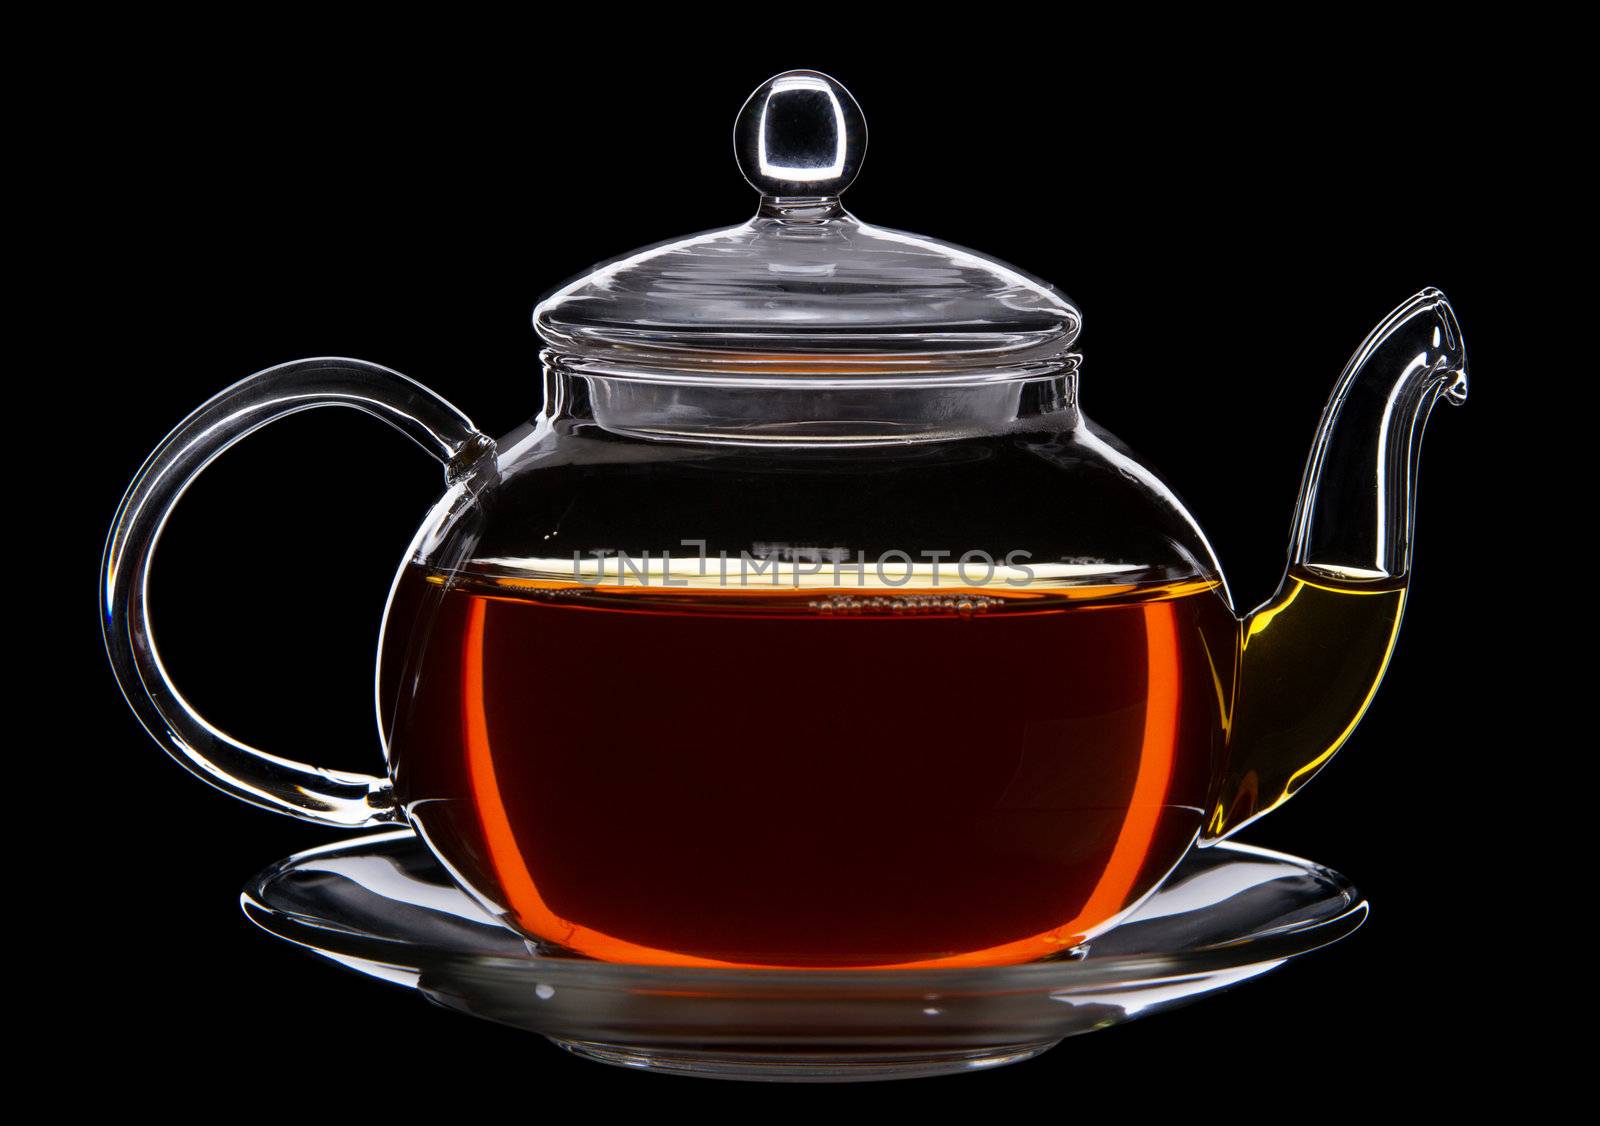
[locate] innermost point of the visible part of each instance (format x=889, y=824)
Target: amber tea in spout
x=807, y=778
x=1311, y=660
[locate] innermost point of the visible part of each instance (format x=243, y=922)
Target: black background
x=1231, y=218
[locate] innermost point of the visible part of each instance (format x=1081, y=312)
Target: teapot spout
x=1311, y=656
x=1358, y=497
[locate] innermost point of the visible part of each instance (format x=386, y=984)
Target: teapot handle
x=299, y=789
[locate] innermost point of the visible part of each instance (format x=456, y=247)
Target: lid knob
x=800, y=135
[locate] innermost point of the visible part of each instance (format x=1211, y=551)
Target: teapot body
x=954, y=697
x=811, y=624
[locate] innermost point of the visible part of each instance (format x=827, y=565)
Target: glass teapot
x=810, y=623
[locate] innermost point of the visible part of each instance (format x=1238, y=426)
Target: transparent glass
x=381, y=906
x=804, y=287
x=810, y=624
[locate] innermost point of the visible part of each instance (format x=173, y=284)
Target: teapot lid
x=805, y=289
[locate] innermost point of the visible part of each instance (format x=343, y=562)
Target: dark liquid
x=790, y=778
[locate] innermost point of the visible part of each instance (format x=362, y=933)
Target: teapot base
x=383, y=906
x=780, y=1065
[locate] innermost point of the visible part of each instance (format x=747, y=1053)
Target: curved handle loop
x=301, y=790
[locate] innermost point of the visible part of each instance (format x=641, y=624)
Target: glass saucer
x=381, y=905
